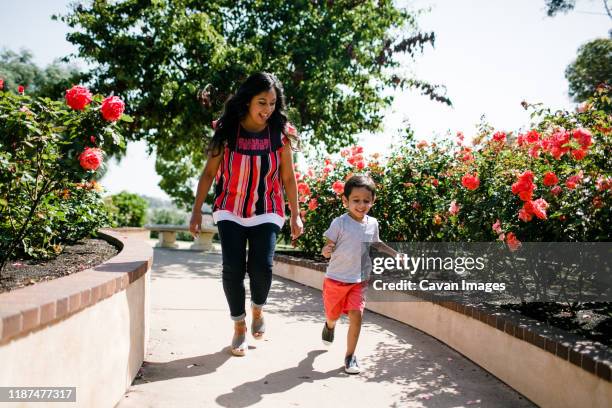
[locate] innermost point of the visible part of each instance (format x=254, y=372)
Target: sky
x=490, y=55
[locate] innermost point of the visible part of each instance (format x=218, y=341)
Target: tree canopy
x=592, y=67
x=18, y=68
x=336, y=59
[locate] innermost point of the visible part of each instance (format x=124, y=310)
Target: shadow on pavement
x=252, y=392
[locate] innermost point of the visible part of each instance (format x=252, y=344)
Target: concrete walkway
x=188, y=364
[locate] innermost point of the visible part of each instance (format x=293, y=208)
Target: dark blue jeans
x=262, y=240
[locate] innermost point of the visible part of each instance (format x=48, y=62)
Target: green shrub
x=127, y=209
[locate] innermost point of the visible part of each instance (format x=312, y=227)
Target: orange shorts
x=340, y=297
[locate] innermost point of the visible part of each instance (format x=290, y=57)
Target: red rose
x=579, y=154
x=1, y=83
x=573, y=181
x=583, y=137
x=512, y=241
x=499, y=136
x=598, y=202
x=78, y=97
x=338, y=187
x=112, y=108
x=471, y=182
x=550, y=179
x=557, y=143
x=313, y=204
x=532, y=136
x=21, y=89
x=524, y=215
x=524, y=186
x=303, y=189
x=91, y=158
x=526, y=195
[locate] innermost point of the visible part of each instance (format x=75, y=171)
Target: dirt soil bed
x=75, y=258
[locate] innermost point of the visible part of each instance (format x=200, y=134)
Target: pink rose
x=290, y=129
x=112, y=108
x=78, y=97
x=91, y=158
x=497, y=227
x=453, y=208
x=556, y=190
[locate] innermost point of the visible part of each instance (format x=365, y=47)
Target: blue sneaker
x=350, y=365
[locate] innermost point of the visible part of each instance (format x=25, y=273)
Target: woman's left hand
x=297, y=228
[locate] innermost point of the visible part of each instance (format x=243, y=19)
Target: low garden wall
x=550, y=367
x=87, y=330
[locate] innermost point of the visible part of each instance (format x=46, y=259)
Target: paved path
x=188, y=364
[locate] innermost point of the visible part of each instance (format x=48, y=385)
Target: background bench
x=167, y=236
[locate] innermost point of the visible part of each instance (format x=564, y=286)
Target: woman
x=250, y=158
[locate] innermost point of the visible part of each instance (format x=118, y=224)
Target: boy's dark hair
x=358, y=181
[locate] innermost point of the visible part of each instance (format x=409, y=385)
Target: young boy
x=346, y=277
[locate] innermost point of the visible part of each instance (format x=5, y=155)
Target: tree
x=335, y=59
x=553, y=7
x=52, y=81
x=592, y=67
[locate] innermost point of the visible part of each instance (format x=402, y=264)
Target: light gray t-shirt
x=350, y=261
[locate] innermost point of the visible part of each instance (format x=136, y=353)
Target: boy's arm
x=328, y=248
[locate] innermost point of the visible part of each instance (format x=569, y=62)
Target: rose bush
x=49, y=154
x=551, y=183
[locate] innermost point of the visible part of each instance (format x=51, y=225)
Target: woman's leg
x=233, y=249
x=262, y=240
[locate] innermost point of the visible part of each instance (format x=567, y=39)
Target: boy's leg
x=353, y=331
x=333, y=309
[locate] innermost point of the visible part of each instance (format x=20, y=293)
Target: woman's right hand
x=195, y=223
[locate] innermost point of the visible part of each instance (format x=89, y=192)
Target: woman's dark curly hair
x=236, y=108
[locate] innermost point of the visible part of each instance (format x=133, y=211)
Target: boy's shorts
x=340, y=297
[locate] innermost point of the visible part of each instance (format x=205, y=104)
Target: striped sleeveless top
x=248, y=186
